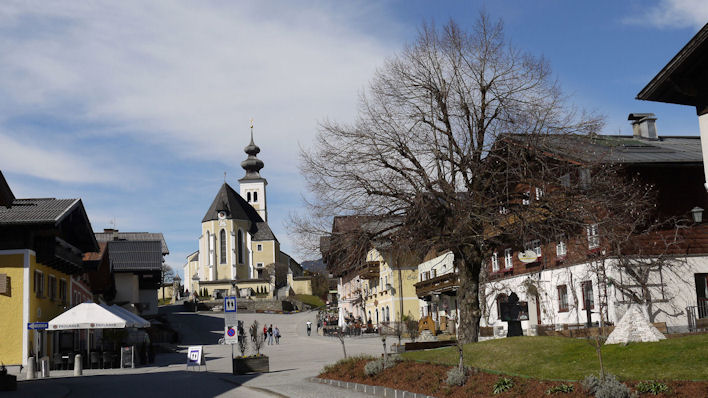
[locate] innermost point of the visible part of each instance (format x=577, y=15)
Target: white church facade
x=238, y=252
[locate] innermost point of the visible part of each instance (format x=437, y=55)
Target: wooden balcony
x=446, y=283
x=370, y=270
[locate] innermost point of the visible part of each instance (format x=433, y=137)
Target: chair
x=57, y=361
x=107, y=359
x=94, y=359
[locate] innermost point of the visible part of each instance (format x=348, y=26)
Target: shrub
x=562, y=388
x=345, y=363
x=502, y=384
x=456, y=377
x=374, y=367
x=608, y=388
x=651, y=387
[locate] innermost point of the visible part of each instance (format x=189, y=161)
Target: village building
x=237, y=248
x=42, y=242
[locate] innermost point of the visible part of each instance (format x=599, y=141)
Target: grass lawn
x=561, y=358
x=311, y=300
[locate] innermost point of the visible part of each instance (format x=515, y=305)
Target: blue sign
x=37, y=325
x=230, y=304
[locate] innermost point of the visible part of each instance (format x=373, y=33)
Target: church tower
x=252, y=185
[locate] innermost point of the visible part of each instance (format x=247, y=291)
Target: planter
x=8, y=382
x=250, y=365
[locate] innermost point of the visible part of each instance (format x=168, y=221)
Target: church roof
x=263, y=232
x=234, y=205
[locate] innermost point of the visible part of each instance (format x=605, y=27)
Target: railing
x=439, y=284
x=370, y=270
x=698, y=315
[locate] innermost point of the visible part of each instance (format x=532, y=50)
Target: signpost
x=195, y=357
x=230, y=321
x=37, y=325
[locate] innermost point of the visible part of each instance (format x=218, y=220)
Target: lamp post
x=697, y=214
x=383, y=340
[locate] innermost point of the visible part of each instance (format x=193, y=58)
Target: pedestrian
x=277, y=335
x=270, y=335
x=319, y=325
x=309, y=327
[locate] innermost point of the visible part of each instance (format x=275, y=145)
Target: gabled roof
x=235, y=207
x=110, y=235
x=125, y=255
x=263, y=232
x=66, y=215
x=628, y=149
x=684, y=80
x=6, y=196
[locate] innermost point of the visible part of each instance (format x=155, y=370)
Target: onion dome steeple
x=252, y=164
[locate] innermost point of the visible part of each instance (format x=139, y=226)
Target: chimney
x=644, y=125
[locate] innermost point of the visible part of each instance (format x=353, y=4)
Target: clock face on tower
x=222, y=215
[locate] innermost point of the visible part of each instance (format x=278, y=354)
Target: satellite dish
x=528, y=256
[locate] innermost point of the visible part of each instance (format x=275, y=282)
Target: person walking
x=309, y=327
x=270, y=335
x=276, y=332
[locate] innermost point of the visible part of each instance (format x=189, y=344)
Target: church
x=237, y=248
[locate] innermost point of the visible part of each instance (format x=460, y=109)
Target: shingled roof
x=6, y=196
x=235, y=207
x=130, y=256
x=111, y=235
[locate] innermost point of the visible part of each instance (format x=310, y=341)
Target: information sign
x=37, y=325
x=230, y=321
x=195, y=356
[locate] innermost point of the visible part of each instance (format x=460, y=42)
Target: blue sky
x=139, y=108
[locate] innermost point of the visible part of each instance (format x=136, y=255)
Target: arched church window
x=222, y=247
x=255, y=196
x=248, y=197
x=239, y=237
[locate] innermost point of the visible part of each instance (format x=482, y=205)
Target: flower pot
x=254, y=364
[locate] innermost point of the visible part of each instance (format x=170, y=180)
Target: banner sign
x=195, y=356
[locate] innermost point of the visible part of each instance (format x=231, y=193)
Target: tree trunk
x=469, y=266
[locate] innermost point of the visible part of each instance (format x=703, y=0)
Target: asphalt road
x=295, y=359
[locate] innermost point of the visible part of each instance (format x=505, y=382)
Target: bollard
x=44, y=366
x=30, y=369
x=78, y=366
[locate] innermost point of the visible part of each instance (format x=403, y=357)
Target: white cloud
x=188, y=75
x=673, y=14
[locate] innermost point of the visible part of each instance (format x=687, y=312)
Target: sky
x=139, y=108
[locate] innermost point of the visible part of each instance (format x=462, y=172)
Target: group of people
x=270, y=333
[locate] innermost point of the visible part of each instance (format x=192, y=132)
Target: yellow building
x=237, y=248
x=388, y=292
x=41, y=247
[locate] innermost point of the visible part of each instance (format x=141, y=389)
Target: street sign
x=230, y=321
x=195, y=357
x=37, y=325
x=230, y=304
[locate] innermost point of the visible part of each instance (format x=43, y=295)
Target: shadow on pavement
x=154, y=384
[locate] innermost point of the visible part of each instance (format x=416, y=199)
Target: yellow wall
x=383, y=298
x=12, y=325
x=266, y=255
x=302, y=286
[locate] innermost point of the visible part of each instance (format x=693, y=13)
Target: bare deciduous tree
x=439, y=152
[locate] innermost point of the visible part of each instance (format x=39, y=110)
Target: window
x=508, y=259
x=259, y=265
x=593, y=236
x=501, y=298
x=539, y=193
x=255, y=196
x=562, y=298
x=62, y=291
x=534, y=245
x=39, y=284
x=495, y=262
x=587, y=295
x=248, y=197
x=239, y=238
x=259, y=247
x=584, y=176
x=52, y=287
x=526, y=198
x=503, y=210
x=222, y=247
x=561, y=249
x=565, y=180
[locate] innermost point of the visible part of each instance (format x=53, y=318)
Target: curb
x=377, y=391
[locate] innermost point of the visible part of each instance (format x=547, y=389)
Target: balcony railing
x=370, y=270
x=445, y=283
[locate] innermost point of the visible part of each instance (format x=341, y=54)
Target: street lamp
x=383, y=340
x=697, y=214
